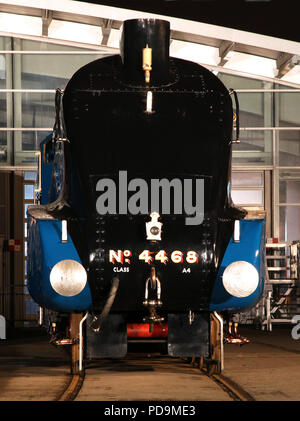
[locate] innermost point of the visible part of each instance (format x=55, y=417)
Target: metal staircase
x=280, y=301
x=281, y=298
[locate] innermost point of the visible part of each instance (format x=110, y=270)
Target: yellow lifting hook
x=147, y=62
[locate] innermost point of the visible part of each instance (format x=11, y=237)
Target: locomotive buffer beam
x=215, y=364
x=74, y=330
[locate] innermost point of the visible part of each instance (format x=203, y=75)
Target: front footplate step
x=212, y=366
x=110, y=341
x=188, y=338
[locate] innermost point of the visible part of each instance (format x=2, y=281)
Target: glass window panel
x=5, y=43
x=246, y=179
x=289, y=223
x=30, y=175
x=3, y=148
x=38, y=109
x=25, y=248
x=247, y=197
x=51, y=71
x=3, y=106
x=31, y=140
x=289, y=187
x=3, y=138
x=255, y=107
x=28, y=45
x=25, y=229
x=25, y=267
x=28, y=191
x=255, y=148
x=288, y=105
x=289, y=147
x=25, y=209
x=23, y=144
x=239, y=82
x=2, y=71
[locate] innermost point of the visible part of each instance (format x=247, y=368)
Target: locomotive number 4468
x=176, y=256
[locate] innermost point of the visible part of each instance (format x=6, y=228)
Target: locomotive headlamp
x=154, y=230
x=68, y=278
x=240, y=279
x=153, y=227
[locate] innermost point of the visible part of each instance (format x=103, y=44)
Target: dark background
x=275, y=18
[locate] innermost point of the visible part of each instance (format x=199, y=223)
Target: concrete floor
x=148, y=378
x=32, y=370
x=268, y=368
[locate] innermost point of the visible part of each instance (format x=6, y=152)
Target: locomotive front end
x=141, y=173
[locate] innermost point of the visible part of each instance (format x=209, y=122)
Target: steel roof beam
x=224, y=48
x=200, y=33
x=286, y=62
x=46, y=20
x=106, y=30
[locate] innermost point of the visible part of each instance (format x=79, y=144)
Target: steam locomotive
x=136, y=228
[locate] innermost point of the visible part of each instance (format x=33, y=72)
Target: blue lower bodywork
x=250, y=248
x=45, y=249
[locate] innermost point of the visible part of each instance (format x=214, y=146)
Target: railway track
x=26, y=369
x=232, y=388
x=73, y=388
x=212, y=382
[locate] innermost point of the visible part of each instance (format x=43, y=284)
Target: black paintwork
x=136, y=35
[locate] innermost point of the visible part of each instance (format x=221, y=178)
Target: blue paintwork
x=251, y=248
x=45, y=249
x=52, y=172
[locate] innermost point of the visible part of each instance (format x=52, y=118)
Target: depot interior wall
x=50, y=71
x=48, y=65
x=248, y=103
x=264, y=149
x=266, y=164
